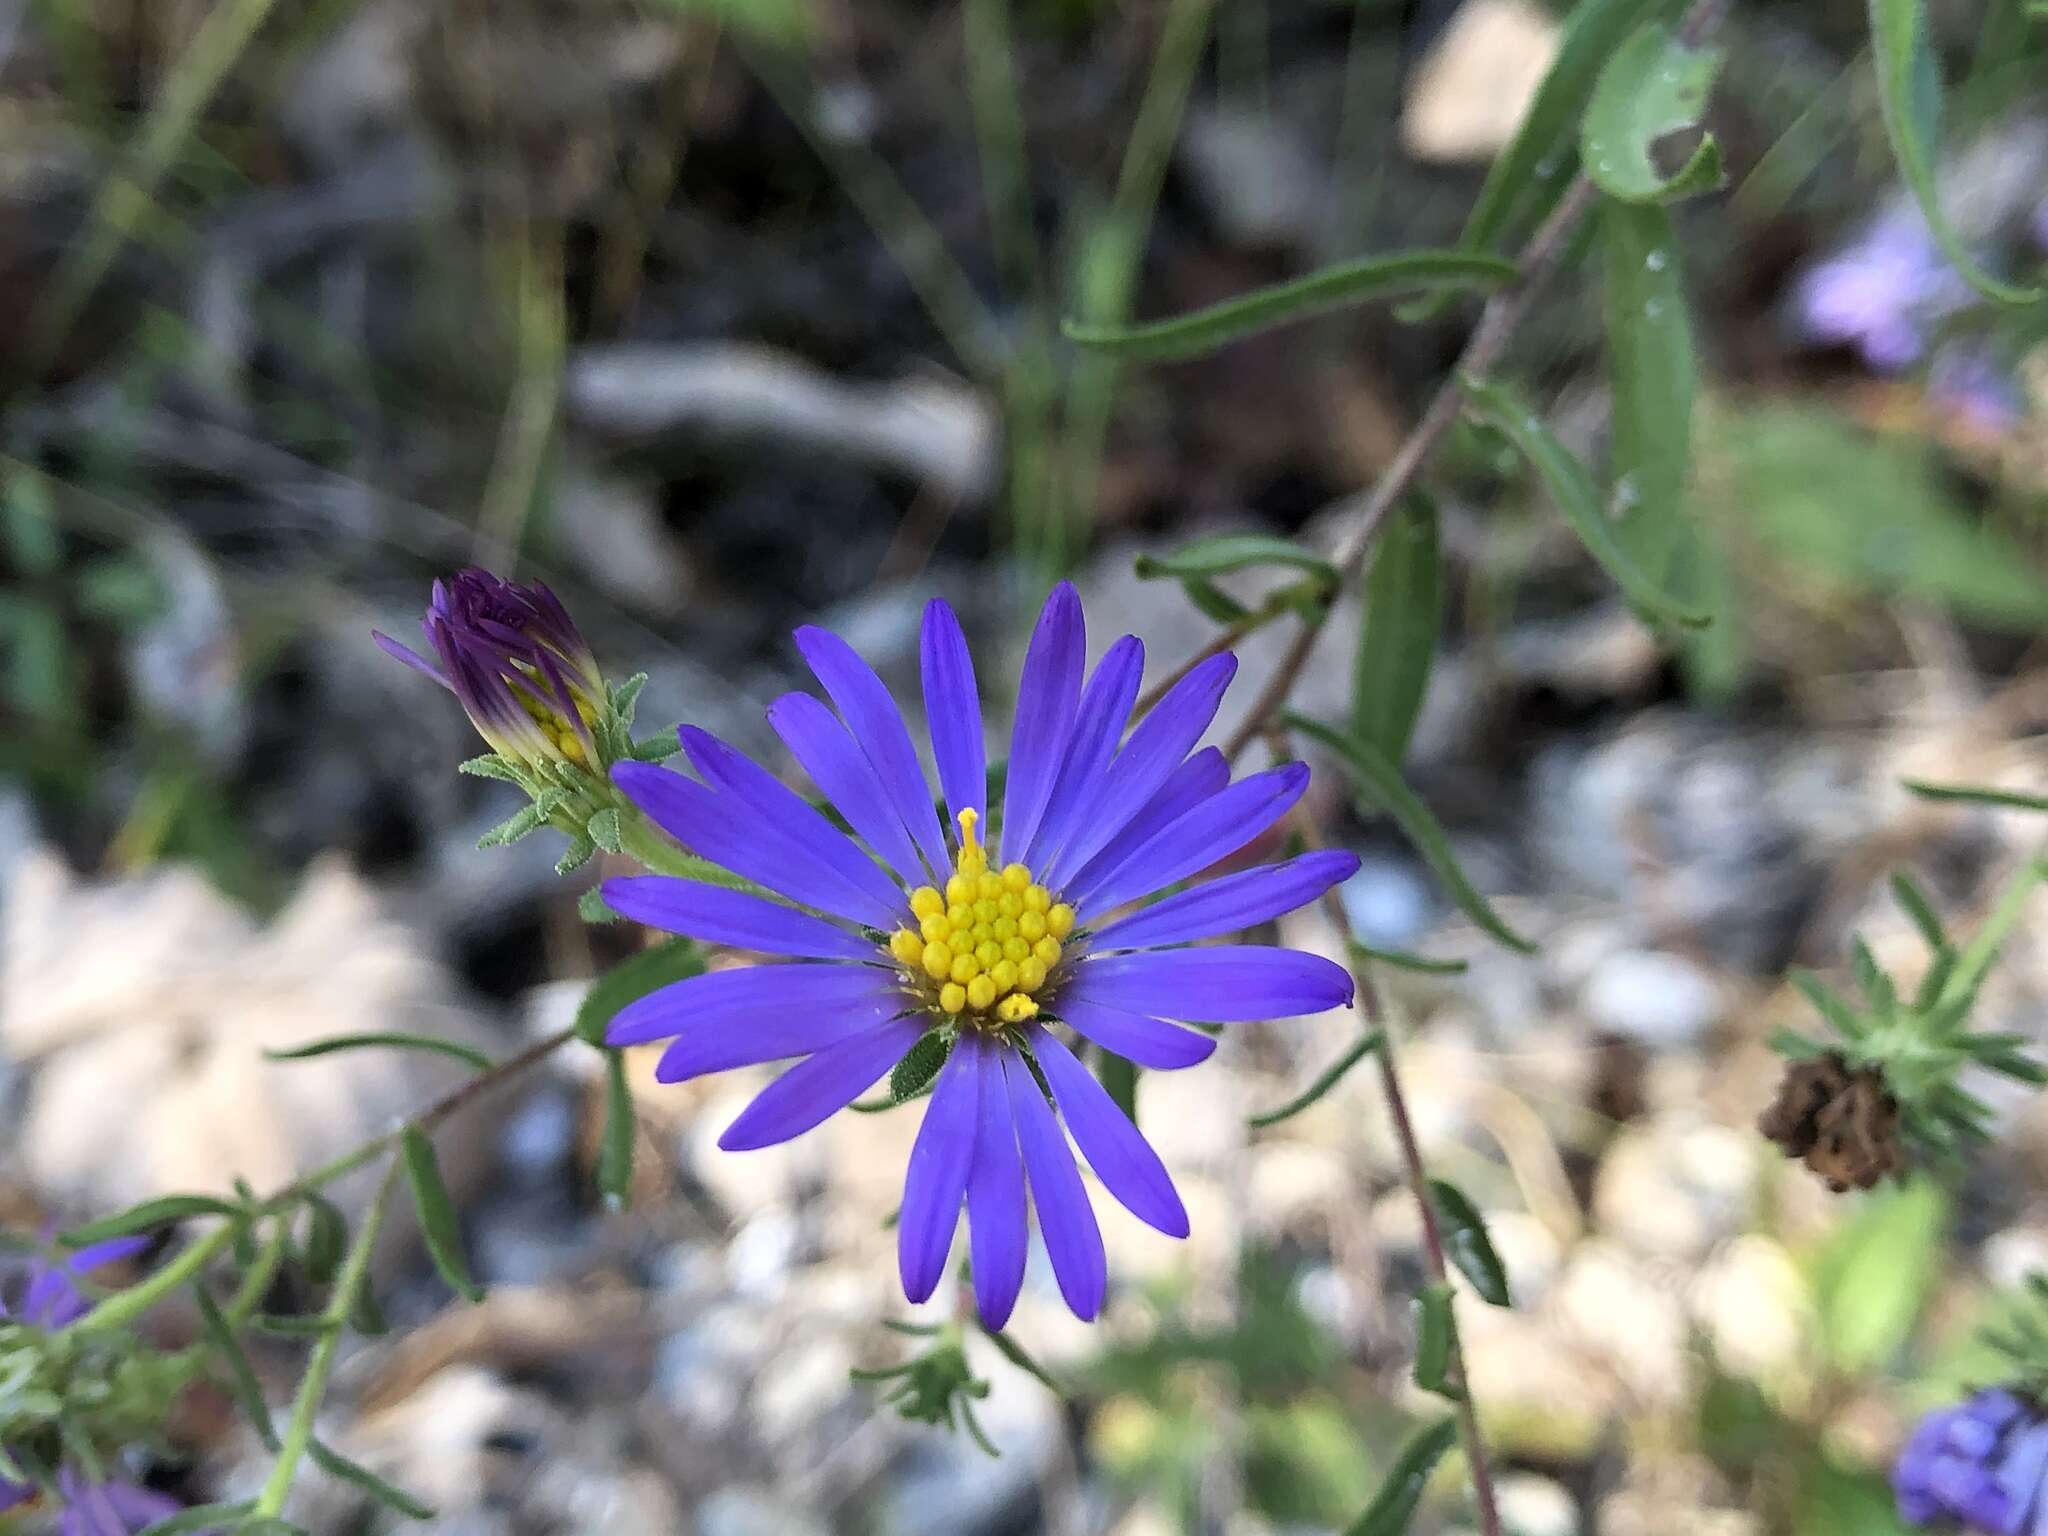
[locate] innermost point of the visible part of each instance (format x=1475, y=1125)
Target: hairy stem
x=313, y=1385
x=1417, y=1178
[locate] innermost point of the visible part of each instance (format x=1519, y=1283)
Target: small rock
x=1536, y=1506
x=1471, y=91
x=1660, y=1000
x=1258, y=181
x=1755, y=1307
x=748, y=1511
x=1387, y=901
x=1674, y=1186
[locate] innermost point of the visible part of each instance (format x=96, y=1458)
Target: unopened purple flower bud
x=515, y=659
x=1979, y=1466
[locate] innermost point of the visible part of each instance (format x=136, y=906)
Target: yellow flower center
x=988, y=941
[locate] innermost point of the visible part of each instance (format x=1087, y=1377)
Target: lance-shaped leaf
x=632, y=979
x=1436, y=1342
x=1466, y=1243
x=1981, y=794
x=1383, y=785
x=1229, y=552
x=1909, y=91
x=1327, y=1079
x=242, y=1383
x=1402, y=960
x=438, y=1223
x=1400, y=275
x=1572, y=489
x=201, y=1517
x=1397, y=641
x=1654, y=371
x=1394, y=1505
x=326, y=1238
x=150, y=1213
x=1656, y=84
x=1119, y=1076
x=334, y=1464
x=468, y=1055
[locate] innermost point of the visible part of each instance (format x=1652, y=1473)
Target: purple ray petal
x=12, y=1494
x=998, y=1223
x=1213, y=830
x=719, y=916
x=936, y=1181
x=411, y=658
x=1048, y=692
x=814, y=1090
x=1162, y=740
x=726, y=831
x=818, y=739
x=1202, y=775
x=1098, y=728
x=789, y=815
x=1072, y=1240
x=952, y=706
x=1148, y=1041
x=1230, y=983
x=877, y=724
x=1122, y=1159
x=750, y=998
x=54, y=1299
x=1231, y=904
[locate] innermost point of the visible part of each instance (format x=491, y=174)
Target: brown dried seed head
x=1844, y=1125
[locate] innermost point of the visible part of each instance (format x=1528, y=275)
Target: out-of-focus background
x=727, y=315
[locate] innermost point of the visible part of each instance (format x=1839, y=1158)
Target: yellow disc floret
x=986, y=942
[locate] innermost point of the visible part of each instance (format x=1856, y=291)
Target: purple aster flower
x=51, y=1298
x=1979, y=1466
x=991, y=944
x=515, y=659
x=1881, y=293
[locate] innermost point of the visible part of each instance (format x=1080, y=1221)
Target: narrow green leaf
x=200, y=1517
x=1467, y=1244
x=615, y=1153
x=242, y=1383
x=1394, y=1505
x=1914, y=902
x=1654, y=371
x=28, y=525
x=1829, y=1004
x=438, y=1223
x=1572, y=489
x=1119, y=1076
x=1436, y=1332
x=1982, y=794
x=592, y=907
x=633, y=978
x=334, y=1464
x=1653, y=85
x=326, y=1238
x=160, y=1212
x=1401, y=960
x=1327, y=1079
x=1909, y=92
x=1399, y=275
x=468, y=1055
x=1229, y=552
x=581, y=851
x=1383, y=782
x=1397, y=641
x=1212, y=602
x=1015, y=1353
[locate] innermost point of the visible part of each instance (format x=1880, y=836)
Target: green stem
x=313, y=1387
x=124, y=1307
x=256, y=1284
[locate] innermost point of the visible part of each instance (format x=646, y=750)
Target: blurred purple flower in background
x=986, y=953
x=1971, y=383
x=515, y=659
x=51, y=1298
x=1881, y=294
x=1979, y=1466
